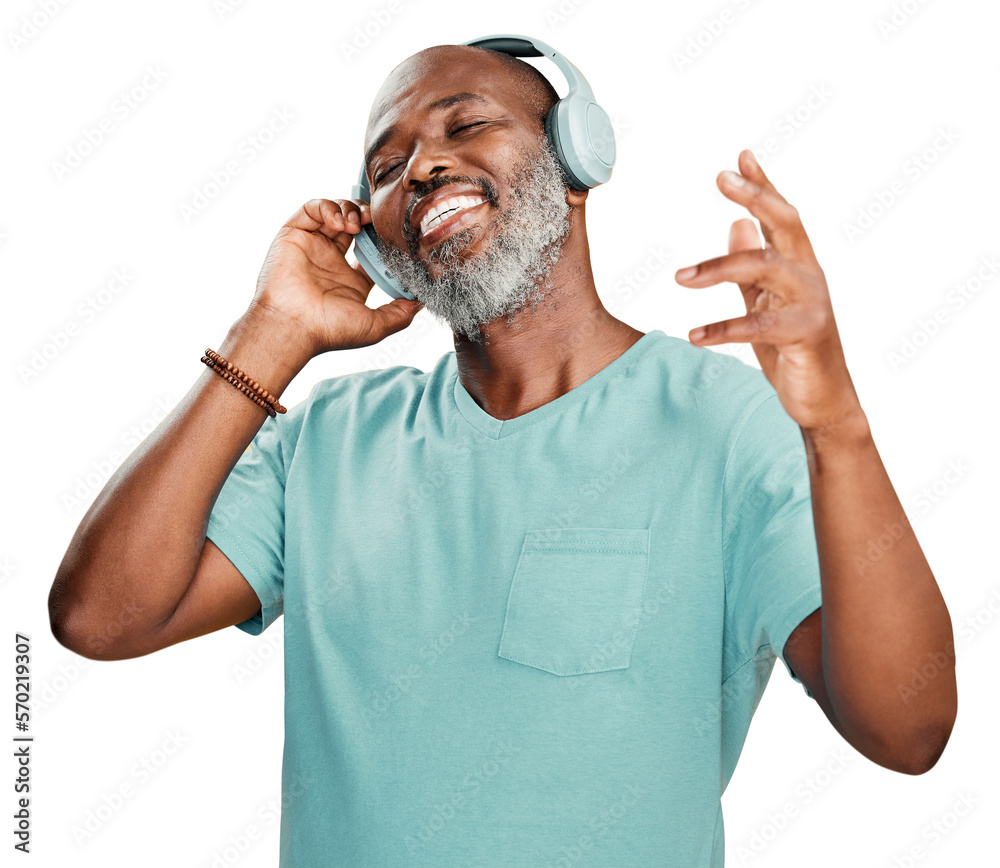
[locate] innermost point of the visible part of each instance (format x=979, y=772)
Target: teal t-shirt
x=532, y=642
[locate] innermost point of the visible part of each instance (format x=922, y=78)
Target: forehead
x=434, y=74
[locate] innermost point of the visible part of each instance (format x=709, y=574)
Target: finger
x=753, y=170
x=782, y=328
x=318, y=215
x=395, y=315
x=356, y=213
x=779, y=220
x=746, y=268
x=743, y=235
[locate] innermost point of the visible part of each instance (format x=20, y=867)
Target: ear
x=576, y=197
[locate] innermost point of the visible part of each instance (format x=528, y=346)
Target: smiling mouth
x=444, y=216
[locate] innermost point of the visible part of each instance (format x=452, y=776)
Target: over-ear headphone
x=578, y=128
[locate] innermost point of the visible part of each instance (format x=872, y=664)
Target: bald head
x=515, y=77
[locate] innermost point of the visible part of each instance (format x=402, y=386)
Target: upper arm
x=803, y=653
x=217, y=597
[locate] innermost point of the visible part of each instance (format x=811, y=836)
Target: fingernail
x=353, y=217
x=686, y=273
x=696, y=334
x=733, y=179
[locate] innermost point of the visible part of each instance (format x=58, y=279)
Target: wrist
x=846, y=432
x=268, y=346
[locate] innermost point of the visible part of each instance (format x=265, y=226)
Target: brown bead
x=246, y=384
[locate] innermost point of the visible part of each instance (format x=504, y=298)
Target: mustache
x=426, y=188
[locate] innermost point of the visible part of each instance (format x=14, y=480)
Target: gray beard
x=513, y=269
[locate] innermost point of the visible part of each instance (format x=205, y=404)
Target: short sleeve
x=769, y=541
x=248, y=522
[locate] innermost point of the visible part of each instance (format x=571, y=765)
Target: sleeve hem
x=802, y=607
x=234, y=549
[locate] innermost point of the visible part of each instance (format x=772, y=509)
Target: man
x=531, y=597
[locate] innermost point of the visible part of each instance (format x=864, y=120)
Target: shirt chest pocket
x=575, y=599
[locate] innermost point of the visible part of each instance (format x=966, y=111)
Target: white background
x=225, y=69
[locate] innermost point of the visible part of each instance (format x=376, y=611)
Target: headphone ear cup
x=366, y=252
x=584, y=140
x=552, y=134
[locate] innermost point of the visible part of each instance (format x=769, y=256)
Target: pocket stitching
x=528, y=546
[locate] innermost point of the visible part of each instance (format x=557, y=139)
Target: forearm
x=883, y=613
x=137, y=548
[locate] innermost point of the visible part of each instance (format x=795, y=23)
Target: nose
x=425, y=164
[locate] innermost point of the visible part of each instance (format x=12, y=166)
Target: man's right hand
x=306, y=278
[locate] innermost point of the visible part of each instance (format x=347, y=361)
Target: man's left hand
x=789, y=321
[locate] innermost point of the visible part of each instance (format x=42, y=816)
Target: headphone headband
x=527, y=46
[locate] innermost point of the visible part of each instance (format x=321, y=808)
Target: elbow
x=75, y=629
x=70, y=630
x=928, y=748
x=64, y=616
x=917, y=754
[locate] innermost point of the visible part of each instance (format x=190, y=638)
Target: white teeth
x=443, y=210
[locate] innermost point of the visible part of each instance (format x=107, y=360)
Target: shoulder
x=375, y=385
x=716, y=390
x=372, y=402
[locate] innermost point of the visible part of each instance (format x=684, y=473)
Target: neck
x=567, y=339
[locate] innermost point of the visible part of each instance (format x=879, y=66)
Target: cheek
x=387, y=217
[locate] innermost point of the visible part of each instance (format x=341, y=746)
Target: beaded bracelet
x=247, y=385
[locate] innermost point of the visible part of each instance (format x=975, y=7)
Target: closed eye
x=387, y=172
x=395, y=166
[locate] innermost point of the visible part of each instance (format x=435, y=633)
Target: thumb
x=743, y=235
x=396, y=314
